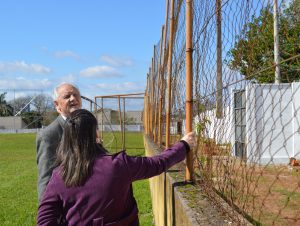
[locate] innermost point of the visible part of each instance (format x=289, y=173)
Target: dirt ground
x=267, y=195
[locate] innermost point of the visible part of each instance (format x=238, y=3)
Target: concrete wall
x=11, y=122
x=168, y=209
x=129, y=128
x=3, y=131
x=176, y=203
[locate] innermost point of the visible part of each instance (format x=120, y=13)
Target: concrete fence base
x=176, y=203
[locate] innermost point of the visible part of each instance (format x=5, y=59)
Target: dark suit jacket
x=46, y=144
x=106, y=198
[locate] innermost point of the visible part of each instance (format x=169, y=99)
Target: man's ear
x=57, y=107
x=55, y=104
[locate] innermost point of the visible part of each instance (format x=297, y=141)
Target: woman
x=91, y=187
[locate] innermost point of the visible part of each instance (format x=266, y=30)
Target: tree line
x=36, y=110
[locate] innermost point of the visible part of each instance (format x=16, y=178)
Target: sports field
x=18, y=178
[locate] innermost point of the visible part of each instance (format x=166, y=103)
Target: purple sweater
x=106, y=198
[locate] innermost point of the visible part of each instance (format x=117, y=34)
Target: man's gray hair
x=55, y=91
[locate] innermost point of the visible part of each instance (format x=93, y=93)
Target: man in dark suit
x=66, y=99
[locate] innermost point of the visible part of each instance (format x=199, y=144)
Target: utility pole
x=276, y=43
x=219, y=82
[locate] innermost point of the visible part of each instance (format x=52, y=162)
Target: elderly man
x=66, y=99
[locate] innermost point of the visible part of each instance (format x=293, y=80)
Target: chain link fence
x=246, y=68
x=120, y=117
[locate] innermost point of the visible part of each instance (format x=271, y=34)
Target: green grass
x=133, y=141
x=18, y=178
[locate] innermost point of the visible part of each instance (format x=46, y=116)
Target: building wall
x=296, y=119
x=219, y=129
x=104, y=117
x=272, y=122
x=135, y=115
x=109, y=120
x=11, y=122
x=272, y=132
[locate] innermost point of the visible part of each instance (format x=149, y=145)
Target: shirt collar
x=64, y=117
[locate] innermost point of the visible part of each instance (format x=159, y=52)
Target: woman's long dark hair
x=78, y=148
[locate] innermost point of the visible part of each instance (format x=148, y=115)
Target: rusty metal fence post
x=171, y=40
x=189, y=84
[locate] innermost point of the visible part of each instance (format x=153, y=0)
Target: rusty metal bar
x=189, y=174
x=95, y=104
x=116, y=95
x=154, y=109
x=146, y=108
x=148, y=105
x=102, y=120
x=124, y=115
x=151, y=98
x=131, y=97
x=120, y=117
x=162, y=82
x=157, y=104
x=171, y=39
x=160, y=71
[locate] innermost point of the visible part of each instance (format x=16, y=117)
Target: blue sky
x=104, y=47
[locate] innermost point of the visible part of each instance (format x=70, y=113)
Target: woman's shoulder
x=56, y=183
x=114, y=158
x=112, y=155
x=56, y=173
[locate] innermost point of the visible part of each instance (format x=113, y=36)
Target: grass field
x=18, y=178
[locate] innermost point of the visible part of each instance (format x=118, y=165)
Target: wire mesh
x=248, y=145
x=119, y=118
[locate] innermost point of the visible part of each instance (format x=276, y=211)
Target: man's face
x=68, y=100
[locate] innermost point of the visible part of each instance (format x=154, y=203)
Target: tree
x=32, y=119
x=43, y=110
x=39, y=103
x=253, y=56
x=5, y=108
x=19, y=103
x=43, y=103
x=36, y=110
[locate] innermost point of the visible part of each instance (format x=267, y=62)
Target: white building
x=262, y=123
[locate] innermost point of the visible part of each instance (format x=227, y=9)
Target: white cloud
x=100, y=72
x=23, y=83
x=20, y=87
x=126, y=87
x=21, y=66
x=116, y=61
x=68, y=78
x=66, y=54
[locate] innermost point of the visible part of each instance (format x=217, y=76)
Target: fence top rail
x=123, y=97
x=120, y=95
